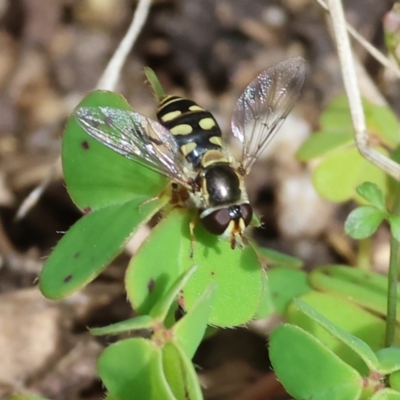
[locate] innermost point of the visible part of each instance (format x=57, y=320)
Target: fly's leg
x=192, y=224
x=172, y=192
x=162, y=194
x=238, y=240
x=255, y=221
x=148, y=201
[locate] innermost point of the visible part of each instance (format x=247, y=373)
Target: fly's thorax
x=221, y=185
x=226, y=211
x=195, y=130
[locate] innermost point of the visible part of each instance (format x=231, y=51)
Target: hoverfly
x=186, y=145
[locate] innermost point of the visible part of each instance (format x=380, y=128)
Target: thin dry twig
x=108, y=81
x=353, y=93
x=385, y=61
x=111, y=74
x=34, y=196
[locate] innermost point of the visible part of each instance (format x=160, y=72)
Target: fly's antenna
x=155, y=84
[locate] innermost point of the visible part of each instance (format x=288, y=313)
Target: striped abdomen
x=195, y=129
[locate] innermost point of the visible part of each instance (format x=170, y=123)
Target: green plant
x=341, y=168
x=334, y=322
x=117, y=195
x=336, y=343
x=226, y=289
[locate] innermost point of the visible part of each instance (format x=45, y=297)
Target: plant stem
x=155, y=84
x=353, y=93
x=392, y=278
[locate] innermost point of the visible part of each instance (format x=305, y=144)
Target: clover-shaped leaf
x=305, y=379
x=166, y=254
x=363, y=222
x=373, y=194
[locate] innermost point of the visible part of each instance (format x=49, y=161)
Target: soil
x=53, y=52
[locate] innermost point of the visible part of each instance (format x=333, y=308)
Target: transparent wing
x=264, y=105
x=136, y=137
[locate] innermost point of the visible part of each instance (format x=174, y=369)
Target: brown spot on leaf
x=87, y=210
x=85, y=145
x=67, y=278
x=150, y=285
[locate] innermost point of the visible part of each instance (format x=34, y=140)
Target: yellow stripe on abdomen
x=195, y=107
x=171, y=115
x=207, y=123
x=196, y=131
x=187, y=148
x=182, y=129
x=217, y=140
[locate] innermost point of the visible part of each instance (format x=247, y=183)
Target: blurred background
x=52, y=53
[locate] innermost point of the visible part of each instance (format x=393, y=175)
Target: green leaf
x=308, y=370
x=160, y=260
x=134, y=366
x=334, y=178
x=190, y=329
x=193, y=385
x=180, y=373
x=368, y=289
x=275, y=258
x=136, y=323
x=336, y=118
x=394, y=221
x=394, y=380
x=91, y=244
x=337, y=128
x=338, y=175
x=237, y=273
x=97, y=176
x=373, y=194
x=385, y=394
x=161, y=308
x=285, y=285
x=266, y=307
x=344, y=330
x=174, y=371
x=382, y=122
x=348, y=316
x=321, y=143
x=363, y=222
x=155, y=267
x=389, y=359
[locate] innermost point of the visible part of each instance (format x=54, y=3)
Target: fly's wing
x=264, y=105
x=136, y=137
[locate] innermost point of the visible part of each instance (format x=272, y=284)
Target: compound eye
x=247, y=213
x=217, y=221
